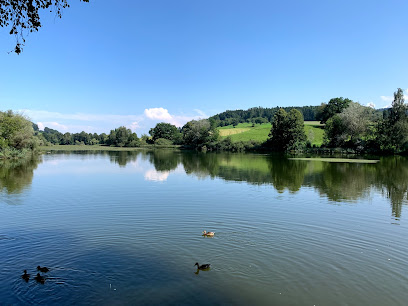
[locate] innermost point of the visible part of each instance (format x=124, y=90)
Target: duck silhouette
x=202, y=267
x=42, y=269
x=25, y=276
x=40, y=279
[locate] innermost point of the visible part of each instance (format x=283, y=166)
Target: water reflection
x=122, y=157
x=164, y=160
x=392, y=180
x=341, y=181
x=287, y=174
x=17, y=175
x=336, y=181
x=159, y=176
x=103, y=227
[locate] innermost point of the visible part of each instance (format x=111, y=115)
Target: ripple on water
x=103, y=232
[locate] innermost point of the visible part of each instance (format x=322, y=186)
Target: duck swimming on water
x=39, y=278
x=42, y=269
x=202, y=267
x=210, y=234
x=25, y=276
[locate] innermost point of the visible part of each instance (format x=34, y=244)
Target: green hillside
x=244, y=132
x=314, y=131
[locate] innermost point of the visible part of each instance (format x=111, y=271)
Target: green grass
x=240, y=125
x=229, y=132
x=314, y=134
x=246, y=161
x=245, y=132
x=314, y=123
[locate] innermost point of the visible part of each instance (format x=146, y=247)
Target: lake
x=125, y=228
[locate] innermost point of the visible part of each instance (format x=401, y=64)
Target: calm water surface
x=125, y=228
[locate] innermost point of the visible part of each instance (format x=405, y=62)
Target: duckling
x=39, y=278
x=42, y=269
x=205, y=233
x=202, y=267
x=25, y=276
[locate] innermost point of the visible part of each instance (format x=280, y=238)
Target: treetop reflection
x=336, y=181
x=17, y=175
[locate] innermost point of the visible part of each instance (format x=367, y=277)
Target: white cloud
x=370, y=104
x=40, y=126
x=133, y=126
x=158, y=113
x=53, y=125
x=163, y=115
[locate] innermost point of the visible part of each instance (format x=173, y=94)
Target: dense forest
x=347, y=125
x=260, y=115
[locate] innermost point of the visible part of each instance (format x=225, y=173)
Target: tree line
x=351, y=125
x=348, y=125
x=260, y=115
x=119, y=137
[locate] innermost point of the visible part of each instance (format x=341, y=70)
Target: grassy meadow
x=314, y=131
x=244, y=132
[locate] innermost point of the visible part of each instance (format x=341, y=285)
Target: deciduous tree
x=333, y=107
x=392, y=131
x=166, y=131
x=16, y=131
x=197, y=133
x=123, y=137
x=23, y=16
x=287, y=132
x=349, y=127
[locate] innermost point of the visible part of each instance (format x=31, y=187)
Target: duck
x=42, y=269
x=39, y=278
x=202, y=267
x=205, y=233
x=25, y=276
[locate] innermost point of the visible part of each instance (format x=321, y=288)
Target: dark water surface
x=125, y=228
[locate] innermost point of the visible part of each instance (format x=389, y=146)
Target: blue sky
x=135, y=63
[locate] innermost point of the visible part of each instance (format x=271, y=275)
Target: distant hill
x=260, y=132
x=259, y=115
